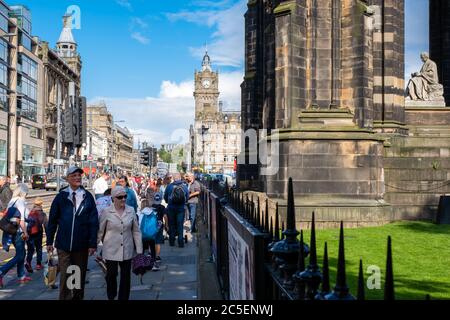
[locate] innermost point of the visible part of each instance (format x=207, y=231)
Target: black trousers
x=125, y=279
x=150, y=245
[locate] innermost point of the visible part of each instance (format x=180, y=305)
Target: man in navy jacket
x=74, y=219
x=176, y=210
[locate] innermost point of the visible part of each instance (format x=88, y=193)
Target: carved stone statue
x=424, y=86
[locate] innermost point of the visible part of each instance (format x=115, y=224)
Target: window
x=4, y=10
x=32, y=154
x=28, y=66
x=27, y=87
x=3, y=99
x=3, y=23
x=34, y=132
x=27, y=109
x=3, y=74
x=2, y=157
x=3, y=50
x=25, y=41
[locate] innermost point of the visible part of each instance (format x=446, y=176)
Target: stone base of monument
x=417, y=166
x=336, y=167
x=427, y=104
x=331, y=210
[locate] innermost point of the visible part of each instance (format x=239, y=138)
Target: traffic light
x=144, y=157
x=154, y=157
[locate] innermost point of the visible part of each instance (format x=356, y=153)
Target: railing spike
x=341, y=291
x=258, y=214
x=361, y=285
x=389, y=283
x=271, y=229
x=313, y=252
x=277, y=224
x=266, y=222
x=301, y=256
x=326, y=272
x=299, y=281
x=290, y=207
x=341, y=281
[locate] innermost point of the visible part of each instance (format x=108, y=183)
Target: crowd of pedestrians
x=125, y=216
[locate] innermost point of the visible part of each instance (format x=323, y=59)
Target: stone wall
x=417, y=167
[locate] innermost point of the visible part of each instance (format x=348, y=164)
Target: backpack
x=10, y=221
x=178, y=196
x=35, y=222
x=150, y=226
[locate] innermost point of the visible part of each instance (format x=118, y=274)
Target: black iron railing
x=291, y=276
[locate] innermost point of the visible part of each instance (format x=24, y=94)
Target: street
x=177, y=278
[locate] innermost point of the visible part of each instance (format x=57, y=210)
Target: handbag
x=8, y=226
x=51, y=271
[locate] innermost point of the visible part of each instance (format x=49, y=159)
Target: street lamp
x=204, y=130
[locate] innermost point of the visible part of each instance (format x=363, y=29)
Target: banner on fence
x=240, y=266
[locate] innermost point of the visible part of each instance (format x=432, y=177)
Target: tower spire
x=66, y=45
x=206, y=63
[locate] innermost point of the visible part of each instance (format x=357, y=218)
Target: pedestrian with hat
x=74, y=220
x=122, y=241
x=36, y=224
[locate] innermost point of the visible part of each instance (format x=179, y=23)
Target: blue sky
x=139, y=56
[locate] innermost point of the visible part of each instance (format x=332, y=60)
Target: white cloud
x=207, y=3
x=165, y=118
x=140, y=38
x=135, y=21
x=227, y=47
x=173, y=90
x=125, y=4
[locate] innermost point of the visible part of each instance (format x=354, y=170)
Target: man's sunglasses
x=121, y=197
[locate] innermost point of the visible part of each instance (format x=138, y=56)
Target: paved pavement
x=176, y=280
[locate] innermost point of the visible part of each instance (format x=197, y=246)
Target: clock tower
x=206, y=92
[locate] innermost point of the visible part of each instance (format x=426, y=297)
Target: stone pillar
x=389, y=65
x=251, y=88
x=440, y=41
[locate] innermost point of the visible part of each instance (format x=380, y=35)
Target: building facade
x=96, y=148
x=21, y=107
x=123, y=144
x=62, y=89
x=216, y=133
x=101, y=120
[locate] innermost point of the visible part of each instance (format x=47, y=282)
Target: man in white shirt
x=101, y=185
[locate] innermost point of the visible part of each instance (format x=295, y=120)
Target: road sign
x=58, y=162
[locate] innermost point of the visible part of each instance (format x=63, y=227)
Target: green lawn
x=421, y=257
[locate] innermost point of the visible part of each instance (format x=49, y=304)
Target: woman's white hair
x=21, y=191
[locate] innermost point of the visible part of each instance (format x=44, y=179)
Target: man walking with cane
x=74, y=217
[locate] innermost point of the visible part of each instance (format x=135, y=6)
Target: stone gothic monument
x=326, y=78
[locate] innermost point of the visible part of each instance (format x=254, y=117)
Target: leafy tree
x=165, y=156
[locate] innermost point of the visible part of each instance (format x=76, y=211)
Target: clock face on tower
x=206, y=83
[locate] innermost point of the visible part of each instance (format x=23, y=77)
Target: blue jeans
x=192, y=215
x=35, y=241
x=176, y=221
x=19, y=258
